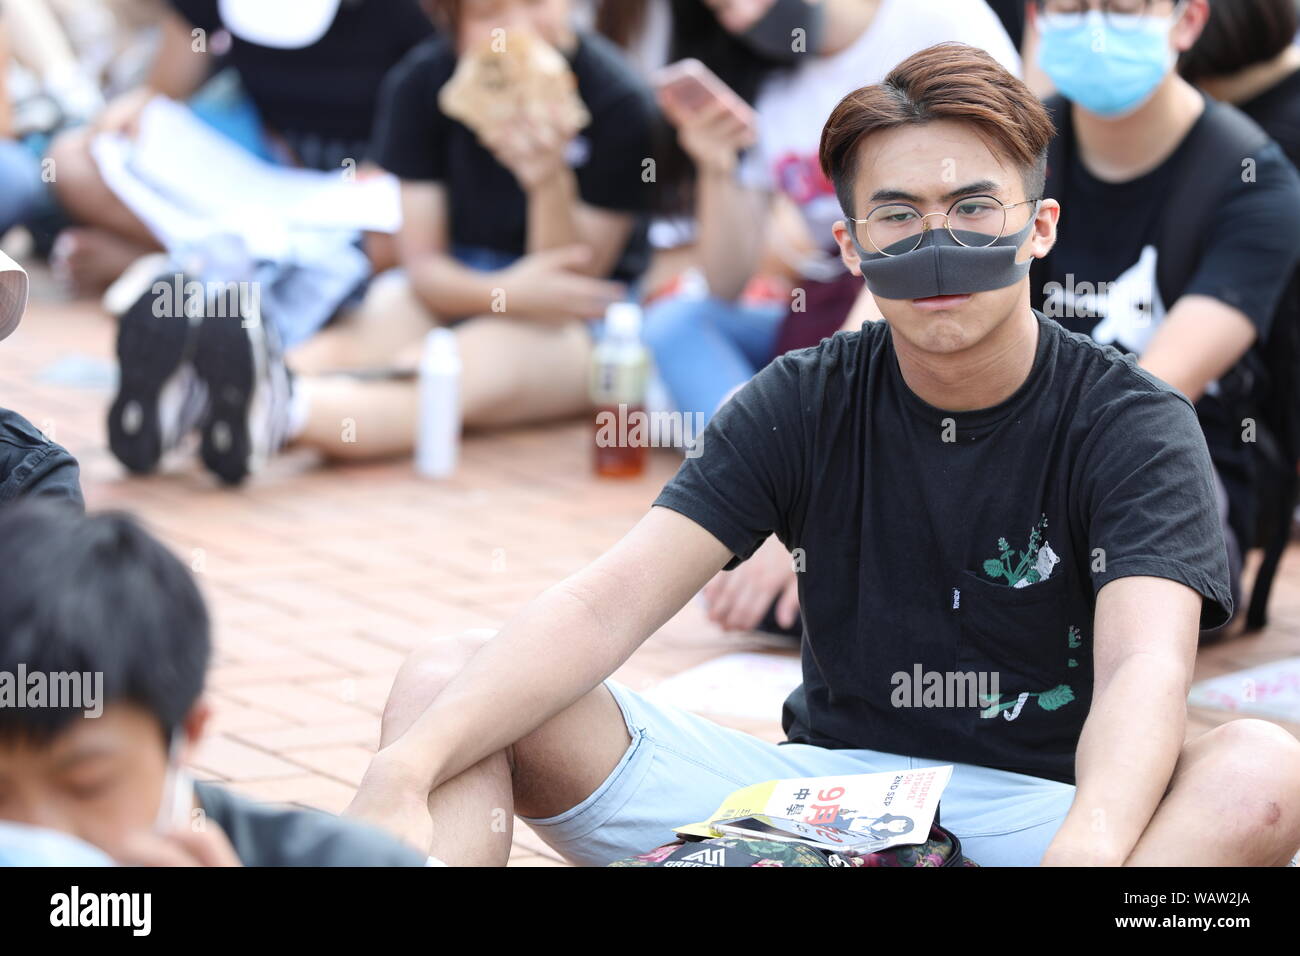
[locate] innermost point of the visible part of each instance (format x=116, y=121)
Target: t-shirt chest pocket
x=1023, y=635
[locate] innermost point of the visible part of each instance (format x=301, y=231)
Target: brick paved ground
x=320, y=580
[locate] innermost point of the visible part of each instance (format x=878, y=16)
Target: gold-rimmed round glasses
x=897, y=228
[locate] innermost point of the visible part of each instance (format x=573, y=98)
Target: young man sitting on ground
x=975, y=491
x=103, y=608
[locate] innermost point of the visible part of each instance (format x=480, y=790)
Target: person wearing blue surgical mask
x=1111, y=58
x=1133, y=137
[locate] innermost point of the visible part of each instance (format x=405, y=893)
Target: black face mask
x=773, y=35
x=941, y=265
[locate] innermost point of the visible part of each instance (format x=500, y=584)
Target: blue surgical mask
x=1107, y=70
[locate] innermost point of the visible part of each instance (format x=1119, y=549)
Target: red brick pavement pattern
x=320, y=580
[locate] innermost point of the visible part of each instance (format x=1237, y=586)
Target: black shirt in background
x=322, y=98
x=917, y=526
x=265, y=835
x=1012, y=15
x=31, y=466
x=1110, y=233
x=487, y=208
x=1277, y=111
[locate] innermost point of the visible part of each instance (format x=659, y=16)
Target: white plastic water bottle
x=437, y=443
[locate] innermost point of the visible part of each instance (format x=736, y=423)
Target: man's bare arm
x=1144, y=636
x=1197, y=343
x=560, y=647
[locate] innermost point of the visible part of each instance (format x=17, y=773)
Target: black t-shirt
x=914, y=547
x=1109, y=233
x=31, y=466
x=285, y=836
x=1277, y=111
x=322, y=97
x=415, y=141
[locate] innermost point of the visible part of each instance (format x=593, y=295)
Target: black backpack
x=1265, y=385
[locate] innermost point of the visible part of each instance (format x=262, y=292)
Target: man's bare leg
x=1234, y=800
x=512, y=373
x=545, y=773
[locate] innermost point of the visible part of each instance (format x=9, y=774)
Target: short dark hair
x=97, y=594
x=1239, y=34
x=949, y=81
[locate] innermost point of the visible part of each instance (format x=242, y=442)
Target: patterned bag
x=942, y=849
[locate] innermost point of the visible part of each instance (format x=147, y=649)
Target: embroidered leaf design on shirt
x=1056, y=698
x=1017, y=567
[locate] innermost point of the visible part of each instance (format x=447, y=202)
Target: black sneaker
x=248, y=389
x=159, y=397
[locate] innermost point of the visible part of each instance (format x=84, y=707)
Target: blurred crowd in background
x=665, y=153
x=508, y=173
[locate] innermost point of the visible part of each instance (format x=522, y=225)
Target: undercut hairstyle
x=949, y=81
x=97, y=594
x=1240, y=34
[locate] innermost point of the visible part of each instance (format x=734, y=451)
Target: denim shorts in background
x=680, y=766
x=21, y=184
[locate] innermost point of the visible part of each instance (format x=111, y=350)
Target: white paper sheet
x=1269, y=690
x=185, y=181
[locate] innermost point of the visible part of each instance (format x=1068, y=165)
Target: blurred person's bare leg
x=92, y=255
x=552, y=769
x=512, y=373
x=84, y=194
x=373, y=335
x=521, y=373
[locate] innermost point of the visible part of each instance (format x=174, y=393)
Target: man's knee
x=1264, y=761
x=426, y=671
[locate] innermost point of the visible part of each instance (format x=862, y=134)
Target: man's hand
x=393, y=797
x=531, y=146
x=182, y=846
x=739, y=599
x=712, y=135
x=541, y=286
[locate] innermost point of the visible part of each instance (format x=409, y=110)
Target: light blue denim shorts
x=680, y=766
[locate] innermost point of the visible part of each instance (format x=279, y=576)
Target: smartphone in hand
x=690, y=85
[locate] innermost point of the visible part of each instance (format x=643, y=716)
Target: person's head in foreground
x=1113, y=57
x=941, y=183
x=104, y=649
